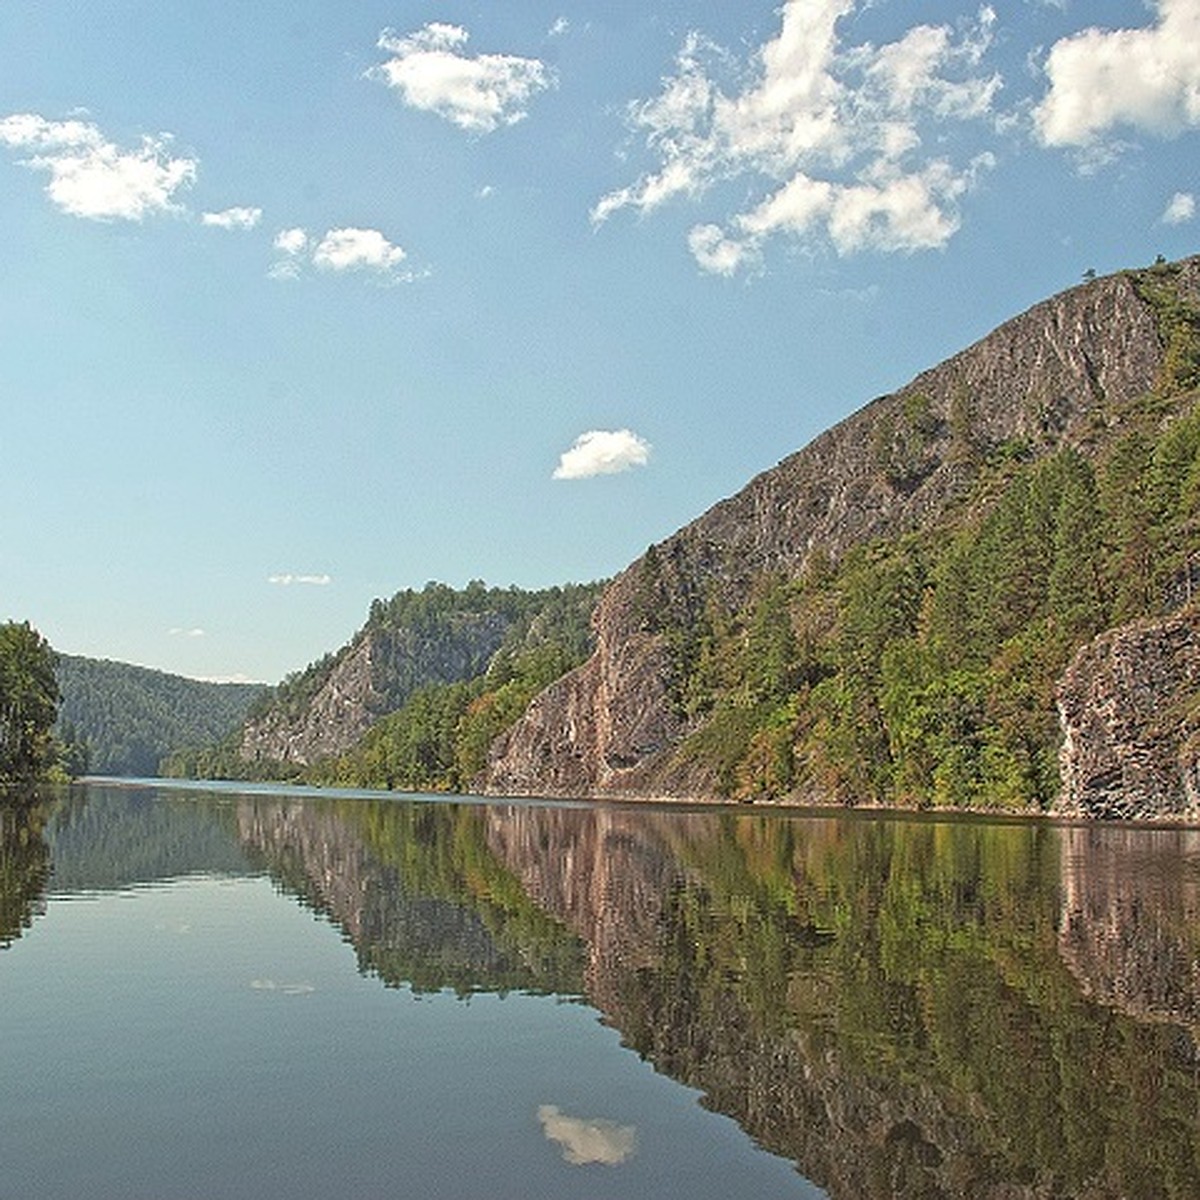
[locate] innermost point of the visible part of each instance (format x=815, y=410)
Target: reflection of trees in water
x=24, y=864
x=893, y=1004
x=417, y=893
x=882, y=1001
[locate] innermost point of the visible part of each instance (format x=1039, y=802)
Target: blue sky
x=305, y=303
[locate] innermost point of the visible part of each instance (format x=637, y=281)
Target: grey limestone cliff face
x=338, y=715
x=1052, y=376
x=1126, y=705
x=371, y=677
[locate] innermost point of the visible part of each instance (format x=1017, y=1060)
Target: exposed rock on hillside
x=1058, y=375
x=360, y=687
x=436, y=636
x=1127, y=704
x=338, y=714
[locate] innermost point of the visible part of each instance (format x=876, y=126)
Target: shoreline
x=866, y=811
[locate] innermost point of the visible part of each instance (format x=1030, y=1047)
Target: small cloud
x=179, y=631
x=286, y=580
x=586, y=1140
x=287, y=989
x=477, y=94
x=346, y=249
x=352, y=249
x=1180, y=209
x=602, y=452
x=232, y=218
x=485, y=191
x=559, y=27
x=291, y=241
x=92, y=177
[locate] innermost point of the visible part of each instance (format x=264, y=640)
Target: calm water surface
x=219, y=994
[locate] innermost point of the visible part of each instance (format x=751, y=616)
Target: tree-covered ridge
x=127, y=719
x=439, y=739
x=440, y=634
x=450, y=670
x=29, y=697
x=922, y=670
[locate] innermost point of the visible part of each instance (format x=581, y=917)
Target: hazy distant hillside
x=129, y=718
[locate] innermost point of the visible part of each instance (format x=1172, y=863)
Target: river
x=220, y=992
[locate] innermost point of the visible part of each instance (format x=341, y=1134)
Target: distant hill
x=436, y=636
x=128, y=719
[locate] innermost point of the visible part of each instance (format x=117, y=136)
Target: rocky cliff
x=435, y=636
x=1128, y=704
x=1062, y=374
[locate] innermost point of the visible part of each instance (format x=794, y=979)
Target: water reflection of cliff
x=893, y=1005
x=415, y=892
x=1130, y=928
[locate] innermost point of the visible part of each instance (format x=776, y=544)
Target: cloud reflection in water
x=587, y=1140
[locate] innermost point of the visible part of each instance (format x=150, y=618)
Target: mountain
x=887, y=615
x=414, y=642
x=123, y=720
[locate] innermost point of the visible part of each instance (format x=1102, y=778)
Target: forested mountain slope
x=419, y=661
x=886, y=615
x=126, y=719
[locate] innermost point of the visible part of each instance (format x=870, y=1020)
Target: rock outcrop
x=1127, y=705
x=436, y=636
x=339, y=713
x=1055, y=376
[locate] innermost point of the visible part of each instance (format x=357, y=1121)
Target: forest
x=452, y=669
x=28, y=705
x=120, y=719
x=923, y=670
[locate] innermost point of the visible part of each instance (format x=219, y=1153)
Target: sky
x=305, y=303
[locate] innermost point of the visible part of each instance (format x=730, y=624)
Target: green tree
x=28, y=703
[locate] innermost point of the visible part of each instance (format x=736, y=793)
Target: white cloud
x=1180, y=209
x=477, y=94
x=560, y=26
x=1142, y=79
x=292, y=244
x=586, y=1140
x=232, y=218
x=187, y=633
x=286, y=580
x=602, y=452
x=291, y=241
x=346, y=249
x=94, y=178
x=287, y=989
x=350, y=249
x=832, y=136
